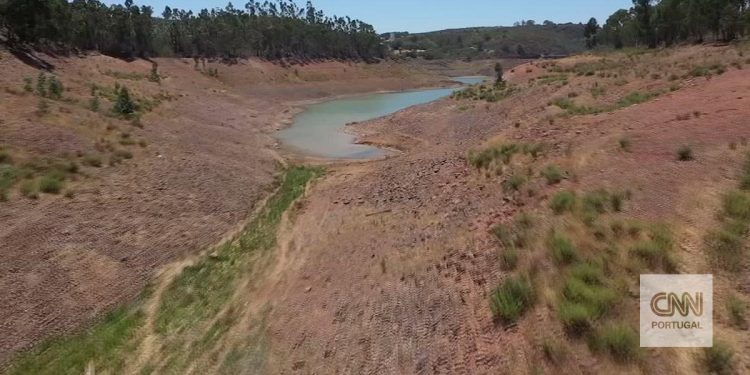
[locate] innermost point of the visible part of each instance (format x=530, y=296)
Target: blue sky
x=428, y=15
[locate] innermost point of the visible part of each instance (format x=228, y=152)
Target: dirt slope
x=201, y=158
x=398, y=262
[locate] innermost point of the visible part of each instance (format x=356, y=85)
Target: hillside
x=506, y=236
x=486, y=42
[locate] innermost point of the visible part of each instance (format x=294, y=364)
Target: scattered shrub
x=512, y=299
x=124, y=105
x=514, y=183
x=563, y=201
x=619, y=340
x=27, y=85
x=42, y=107
x=509, y=259
x=51, y=184
x=718, y=359
x=562, y=249
x=685, y=153
x=29, y=189
x=736, y=205
x=55, y=88
x=576, y=318
x=625, y=144
x=737, y=310
x=552, y=174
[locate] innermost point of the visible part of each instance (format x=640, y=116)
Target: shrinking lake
x=319, y=130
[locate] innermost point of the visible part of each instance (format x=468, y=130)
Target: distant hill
x=484, y=42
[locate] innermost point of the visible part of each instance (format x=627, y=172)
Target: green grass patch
x=512, y=299
x=637, y=97
x=737, y=310
x=619, y=340
x=563, y=251
x=107, y=345
x=201, y=290
x=553, y=174
x=718, y=359
x=51, y=184
x=563, y=201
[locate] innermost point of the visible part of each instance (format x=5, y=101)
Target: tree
x=499, y=73
x=124, y=105
x=590, y=31
x=643, y=13
x=520, y=51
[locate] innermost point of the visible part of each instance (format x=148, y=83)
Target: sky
x=429, y=15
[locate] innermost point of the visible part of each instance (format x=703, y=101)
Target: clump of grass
x=516, y=234
x=552, y=174
x=718, y=359
x=656, y=252
x=514, y=183
x=29, y=189
x=563, y=201
x=509, y=259
x=553, y=351
x=736, y=205
x=619, y=340
x=51, y=184
x=737, y=310
x=685, y=153
x=563, y=251
x=586, y=299
x=512, y=299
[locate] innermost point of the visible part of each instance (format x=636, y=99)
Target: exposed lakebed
x=319, y=130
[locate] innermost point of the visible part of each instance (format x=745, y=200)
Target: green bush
x=727, y=246
x=56, y=89
x=619, y=340
x=51, y=184
x=512, y=299
x=563, y=251
x=625, y=144
x=736, y=205
x=718, y=359
x=5, y=157
x=514, y=183
x=656, y=256
x=124, y=105
x=563, y=201
x=552, y=174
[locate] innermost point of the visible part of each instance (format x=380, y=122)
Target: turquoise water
x=319, y=130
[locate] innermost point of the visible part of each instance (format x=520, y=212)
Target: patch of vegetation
x=656, y=252
x=193, y=298
x=93, y=161
x=563, y=251
x=637, y=97
x=202, y=289
x=512, y=299
x=553, y=174
x=131, y=76
x=718, y=359
x=619, y=340
x=563, y=201
x=106, y=344
x=514, y=183
x=494, y=157
x=737, y=310
x=51, y=184
x=554, y=351
x=124, y=105
x=490, y=93
x=29, y=189
x=516, y=234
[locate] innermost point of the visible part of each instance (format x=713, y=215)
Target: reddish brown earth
x=209, y=158
x=385, y=267
x=397, y=261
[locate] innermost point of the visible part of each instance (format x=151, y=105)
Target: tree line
x=272, y=29
x=665, y=22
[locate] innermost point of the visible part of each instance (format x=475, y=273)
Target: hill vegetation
x=651, y=23
x=527, y=39
x=273, y=30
